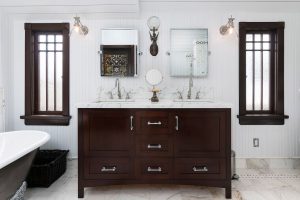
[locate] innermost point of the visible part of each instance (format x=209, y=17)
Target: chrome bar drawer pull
x=154, y=146
x=108, y=169
x=152, y=169
x=200, y=169
x=154, y=123
x=131, y=123
x=176, y=126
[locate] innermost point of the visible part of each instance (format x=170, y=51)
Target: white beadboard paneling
x=2, y=110
x=1, y=68
x=1, y=87
x=85, y=79
x=6, y=30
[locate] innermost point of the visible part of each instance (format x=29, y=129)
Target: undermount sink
x=194, y=100
x=115, y=100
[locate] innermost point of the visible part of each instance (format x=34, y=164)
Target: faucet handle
x=180, y=96
x=198, y=94
x=179, y=93
x=128, y=93
x=110, y=93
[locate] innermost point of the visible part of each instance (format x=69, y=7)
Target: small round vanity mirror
x=154, y=77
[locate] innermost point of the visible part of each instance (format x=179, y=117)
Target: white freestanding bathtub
x=17, y=151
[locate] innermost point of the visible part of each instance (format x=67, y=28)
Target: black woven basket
x=47, y=167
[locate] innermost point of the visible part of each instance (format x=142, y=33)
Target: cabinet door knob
x=154, y=146
x=154, y=123
x=200, y=169
x=154, y=169
x=108, y=169
x=177, y=125
x=131, y=123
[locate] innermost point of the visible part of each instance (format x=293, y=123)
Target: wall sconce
x=78, y=27
x=153, y=24
x=228, y=28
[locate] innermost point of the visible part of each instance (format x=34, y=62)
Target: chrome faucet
x=117, y=85
x=189, y=95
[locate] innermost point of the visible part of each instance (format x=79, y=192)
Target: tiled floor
x=280, y=184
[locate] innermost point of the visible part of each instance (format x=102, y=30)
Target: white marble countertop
x=148, y=104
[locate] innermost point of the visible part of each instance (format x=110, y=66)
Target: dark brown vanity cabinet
x=131, y=146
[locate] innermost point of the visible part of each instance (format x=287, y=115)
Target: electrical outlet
x=255, y=142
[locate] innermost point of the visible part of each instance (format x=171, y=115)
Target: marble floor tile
x=254, y=184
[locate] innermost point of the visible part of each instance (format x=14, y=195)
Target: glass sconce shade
x=153, y=23
x=78, y=27
x=227, y=28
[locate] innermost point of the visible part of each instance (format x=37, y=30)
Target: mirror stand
x=154, y=97
x=154, y=77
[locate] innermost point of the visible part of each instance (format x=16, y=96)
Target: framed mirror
x=189, y=52
x=119, y=52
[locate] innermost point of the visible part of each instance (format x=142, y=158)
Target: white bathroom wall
x=85, y=79
x=2, y=113
x=2, y=110
x=1, y=94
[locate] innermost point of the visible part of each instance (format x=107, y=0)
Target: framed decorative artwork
x=118, y=60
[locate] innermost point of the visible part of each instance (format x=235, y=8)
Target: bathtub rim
x=6, y=160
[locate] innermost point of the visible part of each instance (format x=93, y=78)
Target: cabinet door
x=108, y=132
x=200, y=133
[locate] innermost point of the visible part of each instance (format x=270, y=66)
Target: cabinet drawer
x=154, y=145
x=195, y=168
x=154, y=168
x=153, y=122
x=108, y=168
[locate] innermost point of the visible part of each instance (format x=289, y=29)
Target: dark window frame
x=32, y=115
x=276, y=114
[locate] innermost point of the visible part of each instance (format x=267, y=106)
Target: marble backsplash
x=205, y=92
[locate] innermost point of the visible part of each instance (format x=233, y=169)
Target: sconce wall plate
x=153, y=24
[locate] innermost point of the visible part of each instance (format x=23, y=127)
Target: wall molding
x=70, y=6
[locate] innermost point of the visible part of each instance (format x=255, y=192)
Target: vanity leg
x=80, y=192
x=228, y=192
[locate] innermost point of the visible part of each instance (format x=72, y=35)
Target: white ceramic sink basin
x=114, y=100
x=194, y=100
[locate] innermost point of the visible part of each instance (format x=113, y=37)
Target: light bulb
x=230, y=30
x=76, y=28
